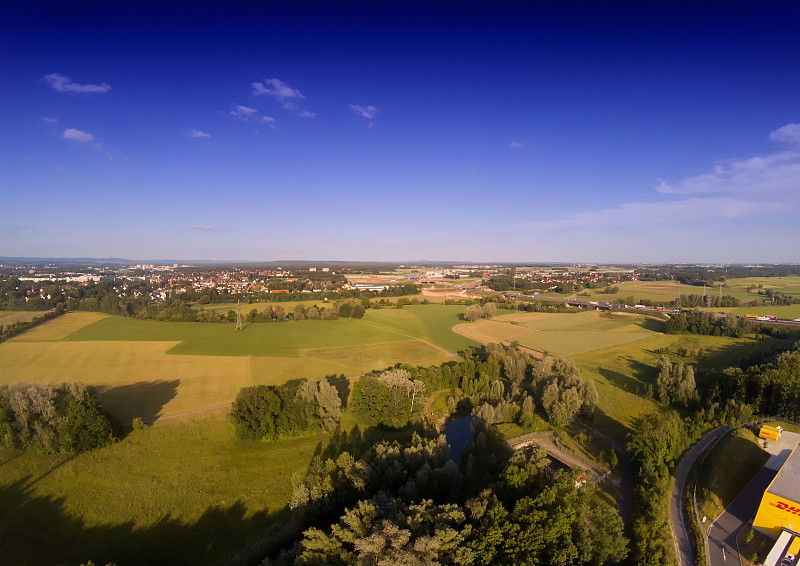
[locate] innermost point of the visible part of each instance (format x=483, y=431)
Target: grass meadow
x=7, y=318
x=186, y=484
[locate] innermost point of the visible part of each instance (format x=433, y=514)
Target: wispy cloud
x=203, y=227
x=790, y=133
x=247, y=114
x=49, y=120
x=752, y=187
x=284, y=94
x=198, y=134
x=77, y=135
x=517, y=145
x=367, y=112
x=60, y=83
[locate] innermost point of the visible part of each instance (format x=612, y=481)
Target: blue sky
x=475, y=131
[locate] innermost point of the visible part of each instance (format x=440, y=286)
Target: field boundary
x=429, y=343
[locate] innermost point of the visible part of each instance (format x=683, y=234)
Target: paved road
x=722, y=547
x=680, y=533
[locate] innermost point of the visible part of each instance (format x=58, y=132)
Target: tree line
x=52, y=419
x=715, y=324
x=10, y=330
x=268, y=412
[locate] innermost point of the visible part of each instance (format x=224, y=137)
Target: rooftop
x=787, y=482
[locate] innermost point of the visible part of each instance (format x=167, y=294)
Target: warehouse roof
x=787, y=482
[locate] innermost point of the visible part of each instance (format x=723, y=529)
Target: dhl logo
x=786, y=507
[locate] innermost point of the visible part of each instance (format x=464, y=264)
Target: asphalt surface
x=680, y=533
x=722, y=547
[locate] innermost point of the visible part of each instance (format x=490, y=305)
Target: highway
x=639, y=308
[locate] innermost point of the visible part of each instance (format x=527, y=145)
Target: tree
x=330, y=406
x=474, y=312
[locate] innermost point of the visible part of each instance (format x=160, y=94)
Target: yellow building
x=780, y=506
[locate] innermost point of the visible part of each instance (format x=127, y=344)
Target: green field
x=183, y=488
x=264, y=339
x=662, y=291
x=564, y=334
x=149, y=369
x=429, y=322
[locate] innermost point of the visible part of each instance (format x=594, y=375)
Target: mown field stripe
x=449, y=354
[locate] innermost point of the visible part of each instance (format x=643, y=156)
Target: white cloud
x=284, y=94
x=790, y=133
x=516, y=145
x=60, y=83
x=77, y=135
x=50, y=120
x=755, y=187
x=367, y=112
x=203, y=227
x=277, y=89
x=247, y=114
x=198, y=134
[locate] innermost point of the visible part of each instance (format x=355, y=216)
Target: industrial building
x=780, y=505
x=785, y=551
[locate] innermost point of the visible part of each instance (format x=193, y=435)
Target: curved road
x=683, y=546
x=722, y=546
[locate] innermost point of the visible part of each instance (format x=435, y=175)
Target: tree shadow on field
x=144, y=399
x=36, y=529
x=621, y=381
x=342, y=385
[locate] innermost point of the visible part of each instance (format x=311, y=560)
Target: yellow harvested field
x=486, y=331
x=523, y=317
x=8, y=318
x=59, y=327
x=133, y=378
x=269, y=370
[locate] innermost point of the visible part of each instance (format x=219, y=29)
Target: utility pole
x=239, y=325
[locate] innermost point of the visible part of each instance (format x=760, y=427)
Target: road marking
x=723, y=554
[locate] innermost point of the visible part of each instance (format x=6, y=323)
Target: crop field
x=223, y=308
x=61, y=327
x=10, y=317
x=429, y=322
x=669, y=290
x=653, y=290
x=560, y=334
x=147, y=369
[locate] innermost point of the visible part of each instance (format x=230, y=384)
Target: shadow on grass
x=143, y=399
x=342, y=385
x=622, y=381
x=653, y=324
x=37, y=529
